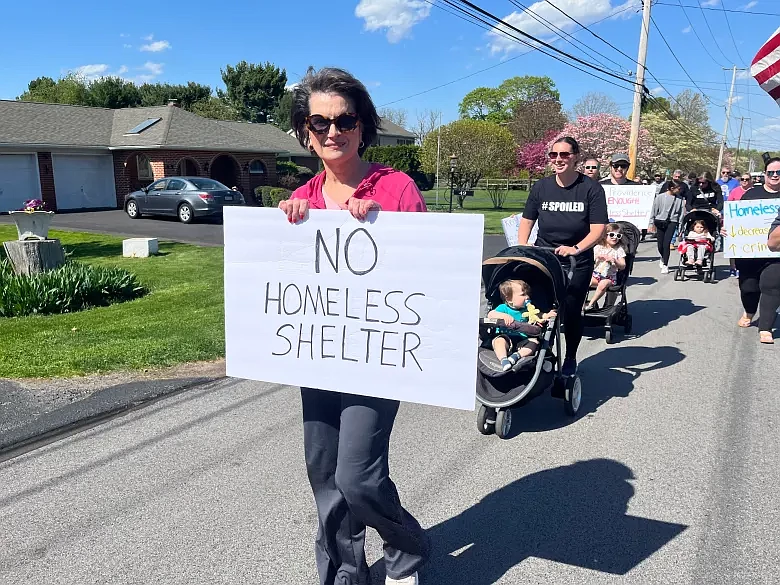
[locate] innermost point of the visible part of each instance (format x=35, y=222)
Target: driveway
x=202, y=233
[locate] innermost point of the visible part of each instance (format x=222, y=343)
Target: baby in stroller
x=697, y=243
x=512, y=337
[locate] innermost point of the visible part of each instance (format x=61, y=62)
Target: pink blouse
x=330, y=203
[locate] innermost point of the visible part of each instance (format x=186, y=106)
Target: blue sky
x=398, y=48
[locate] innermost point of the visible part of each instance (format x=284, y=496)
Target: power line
x=731, y=34
x=712, y=34
x=693, y=30
x=724, y=10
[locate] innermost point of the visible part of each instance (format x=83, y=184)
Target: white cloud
x=152, y=68
x=123, y=35
x=122, y=70
x=291, y=86
x=657, y=91
x=749, y=5
x=686, y=30
x=156, y=46
x=745, y=74
x=126, y=46
x=91, y=72
x=584, y=11
x=396, y=16
x=710, y=3
x=771, y=128
x=147, y=38
x=736, y=98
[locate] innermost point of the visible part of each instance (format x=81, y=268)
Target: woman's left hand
x=566, y=251
x=359, y=208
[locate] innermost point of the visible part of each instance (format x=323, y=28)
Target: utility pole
x=749, y=158
x=639, y=88
x=728, y=113
x=739, y=139
x=438, y=152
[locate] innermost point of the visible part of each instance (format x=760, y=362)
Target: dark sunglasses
x=563, y=155
x=321, y=125
x=619, y=165
x=744, y=178
x=773, y=173
x=616, y=235
x=589, y=167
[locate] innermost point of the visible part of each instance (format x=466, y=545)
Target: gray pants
x=346, y=440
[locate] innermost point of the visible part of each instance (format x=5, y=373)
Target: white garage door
x=84, y=181
x=18, y=180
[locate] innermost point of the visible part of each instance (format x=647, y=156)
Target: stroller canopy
x=710, y=220
x=631, y=236
x=538, y=267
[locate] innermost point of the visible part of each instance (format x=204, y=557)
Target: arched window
x=144, y=168
x=256, y=167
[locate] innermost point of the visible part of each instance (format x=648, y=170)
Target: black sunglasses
x=620, y=165
x=773, y=173
x=321, y=125
x=563, y=155
x=744, y=178
x=591, y=168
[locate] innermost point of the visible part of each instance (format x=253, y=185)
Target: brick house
x=77, y=157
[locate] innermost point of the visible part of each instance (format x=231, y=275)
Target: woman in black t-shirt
x=572, y=213
x=706, y=194
x=759, y=278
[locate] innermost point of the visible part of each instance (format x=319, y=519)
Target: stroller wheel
x=627, y=324
x=573, y=398
x=486, y=420
x=608, y=336
x=503, y=423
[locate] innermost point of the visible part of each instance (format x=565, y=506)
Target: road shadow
x=641, y=280
x=574, y=514
x=651, y=314
x=611, y=373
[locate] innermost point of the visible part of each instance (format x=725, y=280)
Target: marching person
x=618, y=171
x=346, y=437
x=667, y=212
x=572, y=214
x=706, y=194
x=591, y=169
x=759, y=278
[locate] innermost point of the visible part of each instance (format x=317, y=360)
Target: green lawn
x=181, y=320
x=480, y=203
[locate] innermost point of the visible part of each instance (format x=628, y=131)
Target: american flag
x=765, y=68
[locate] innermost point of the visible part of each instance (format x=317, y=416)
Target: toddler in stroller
x=516, y=311
x=697, y=250
x=538, y=365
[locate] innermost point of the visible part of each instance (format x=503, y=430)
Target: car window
x=208, y=185
x=159, y=185
x=175, y=185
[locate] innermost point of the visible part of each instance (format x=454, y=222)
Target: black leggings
x=759, y=288
x=575, y=299
x=664, y=237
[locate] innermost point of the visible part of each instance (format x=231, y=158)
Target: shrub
x=304, y=174
x=286, y=167
x=271, y=196
x=291, y=182
x=70, y=288
x=405, y=158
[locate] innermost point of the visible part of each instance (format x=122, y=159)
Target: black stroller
x=706, y=272
x=497, y=390
x=614, y=308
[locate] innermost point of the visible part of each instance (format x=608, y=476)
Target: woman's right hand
x=724, y=232
x=295, y=209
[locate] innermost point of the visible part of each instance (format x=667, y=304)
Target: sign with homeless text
x=631, y=203
x=387, y=307
x=747, y=226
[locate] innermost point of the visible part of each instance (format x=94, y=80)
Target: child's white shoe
x=410, y=580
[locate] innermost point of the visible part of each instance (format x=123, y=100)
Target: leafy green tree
x=281, y=113
x=519, y=90
x=254, y=91
x=404, y=158
x=482, y=148
x=215, y=108
x=70, y=89
x=483, y=103
x=158, y=94
x=534, y=119
x=113, y=92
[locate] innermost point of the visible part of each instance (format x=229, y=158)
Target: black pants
x=574, y=326
x=346, y=440
x=759, y=288
x=664, y=234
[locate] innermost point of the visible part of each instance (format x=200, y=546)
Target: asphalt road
x=668, y=476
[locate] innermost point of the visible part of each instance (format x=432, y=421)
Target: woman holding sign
x=759, y=278
x=572, y=214
x=346, y=437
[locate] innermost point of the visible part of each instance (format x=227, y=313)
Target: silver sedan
x=183, y=197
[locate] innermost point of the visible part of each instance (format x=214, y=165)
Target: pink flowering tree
x=602, y=135
x=533, y=156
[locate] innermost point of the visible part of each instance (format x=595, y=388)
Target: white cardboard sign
x=631, y=203
x=747, y=225
x=511, y=224
x=388, y=307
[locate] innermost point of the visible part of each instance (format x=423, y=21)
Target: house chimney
x=174, y=103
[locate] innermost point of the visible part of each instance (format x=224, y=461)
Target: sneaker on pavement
x=410, y=580
x=664, y=269
x=569, y=367
x=660, y=264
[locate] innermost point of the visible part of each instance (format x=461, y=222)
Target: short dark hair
x=575, y=147
x=334, y=81
x=769, y=161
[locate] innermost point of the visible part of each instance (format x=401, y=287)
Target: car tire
x=131, y=208
x=185, y=213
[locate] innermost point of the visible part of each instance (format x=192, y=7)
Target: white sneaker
x=410, y=580
x=660, y=264
x=664, y=269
